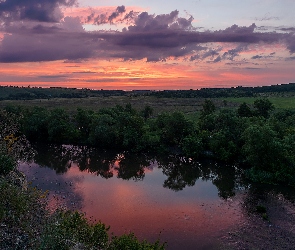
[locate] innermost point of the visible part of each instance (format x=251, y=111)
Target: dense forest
x=30, y=93
x=257, y=138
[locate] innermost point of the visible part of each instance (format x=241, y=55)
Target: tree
x=263, y=107
x=83, y=120
x=60, y=127
x=147, y=112
x=35, y=124
x=173, y=128
x=208, y=108
x=268, y=155
x=244, y=110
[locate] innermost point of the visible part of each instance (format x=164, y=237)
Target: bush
x=7, y=164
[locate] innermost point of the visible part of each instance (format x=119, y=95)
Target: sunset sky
x=169, y=44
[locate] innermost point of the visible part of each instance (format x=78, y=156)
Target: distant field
x=287, y=102
x=190, y=106
x=186, y=105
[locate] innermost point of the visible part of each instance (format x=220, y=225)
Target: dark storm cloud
x=154, y=37
x=36, y=10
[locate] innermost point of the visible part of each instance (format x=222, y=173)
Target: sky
x=128, y=44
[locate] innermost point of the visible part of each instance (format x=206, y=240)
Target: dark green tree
x=208, y=108
x=263, y=107
x=268, y=156
x=173, y=128
x=147, y=112
x=244, y=110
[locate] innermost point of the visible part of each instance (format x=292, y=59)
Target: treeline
x=30, y=93
x=225, y=92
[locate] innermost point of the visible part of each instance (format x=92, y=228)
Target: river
x=189, y=205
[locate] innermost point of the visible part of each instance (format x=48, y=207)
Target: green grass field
x=287, y=102
x=159, y=105
x=189, y=106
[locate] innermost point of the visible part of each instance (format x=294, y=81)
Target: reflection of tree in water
x=132, y=166
x=98, y=162
x=55, y=157
x=61, y=157
x=101, y=163
x=181, y=172
x=184, y=172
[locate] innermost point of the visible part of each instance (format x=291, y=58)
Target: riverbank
x=269, y=224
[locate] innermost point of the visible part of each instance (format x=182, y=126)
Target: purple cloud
x=42, y=43
x=146, y=22
x=155, y=37
x=105, y=18
x=256, y=57
x=36, y=10
x=120, y=10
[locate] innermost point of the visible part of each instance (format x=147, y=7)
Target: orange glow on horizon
x=132, y=75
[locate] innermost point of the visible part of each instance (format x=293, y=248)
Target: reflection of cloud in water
x=62, y=188
x=183, y=217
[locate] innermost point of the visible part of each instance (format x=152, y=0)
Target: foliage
x=7, y=163
x=23, y=214
x=263, y=107
x=129, y=241
x=13, y=145
x=172, y=128
x=192, y=145
x=271, y=158
x=244, y=110
x=68, y=229
x=258, y=137
x=223, y=130
x=35, y=124
x=207, y=108
x=147, y=112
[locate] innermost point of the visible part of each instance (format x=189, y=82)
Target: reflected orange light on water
x=195, y=216
x=140, y=207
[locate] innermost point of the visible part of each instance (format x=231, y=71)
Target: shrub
x=7, y=164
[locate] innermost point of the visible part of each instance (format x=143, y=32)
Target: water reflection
x=181, y=172
x=126, y=192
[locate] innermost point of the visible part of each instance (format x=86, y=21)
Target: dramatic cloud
x=42, y=43
x=117, y=16
x=145, y=22
x=36, y=10
x=150, y=37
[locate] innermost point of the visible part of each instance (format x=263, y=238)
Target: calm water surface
x=188, y=205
